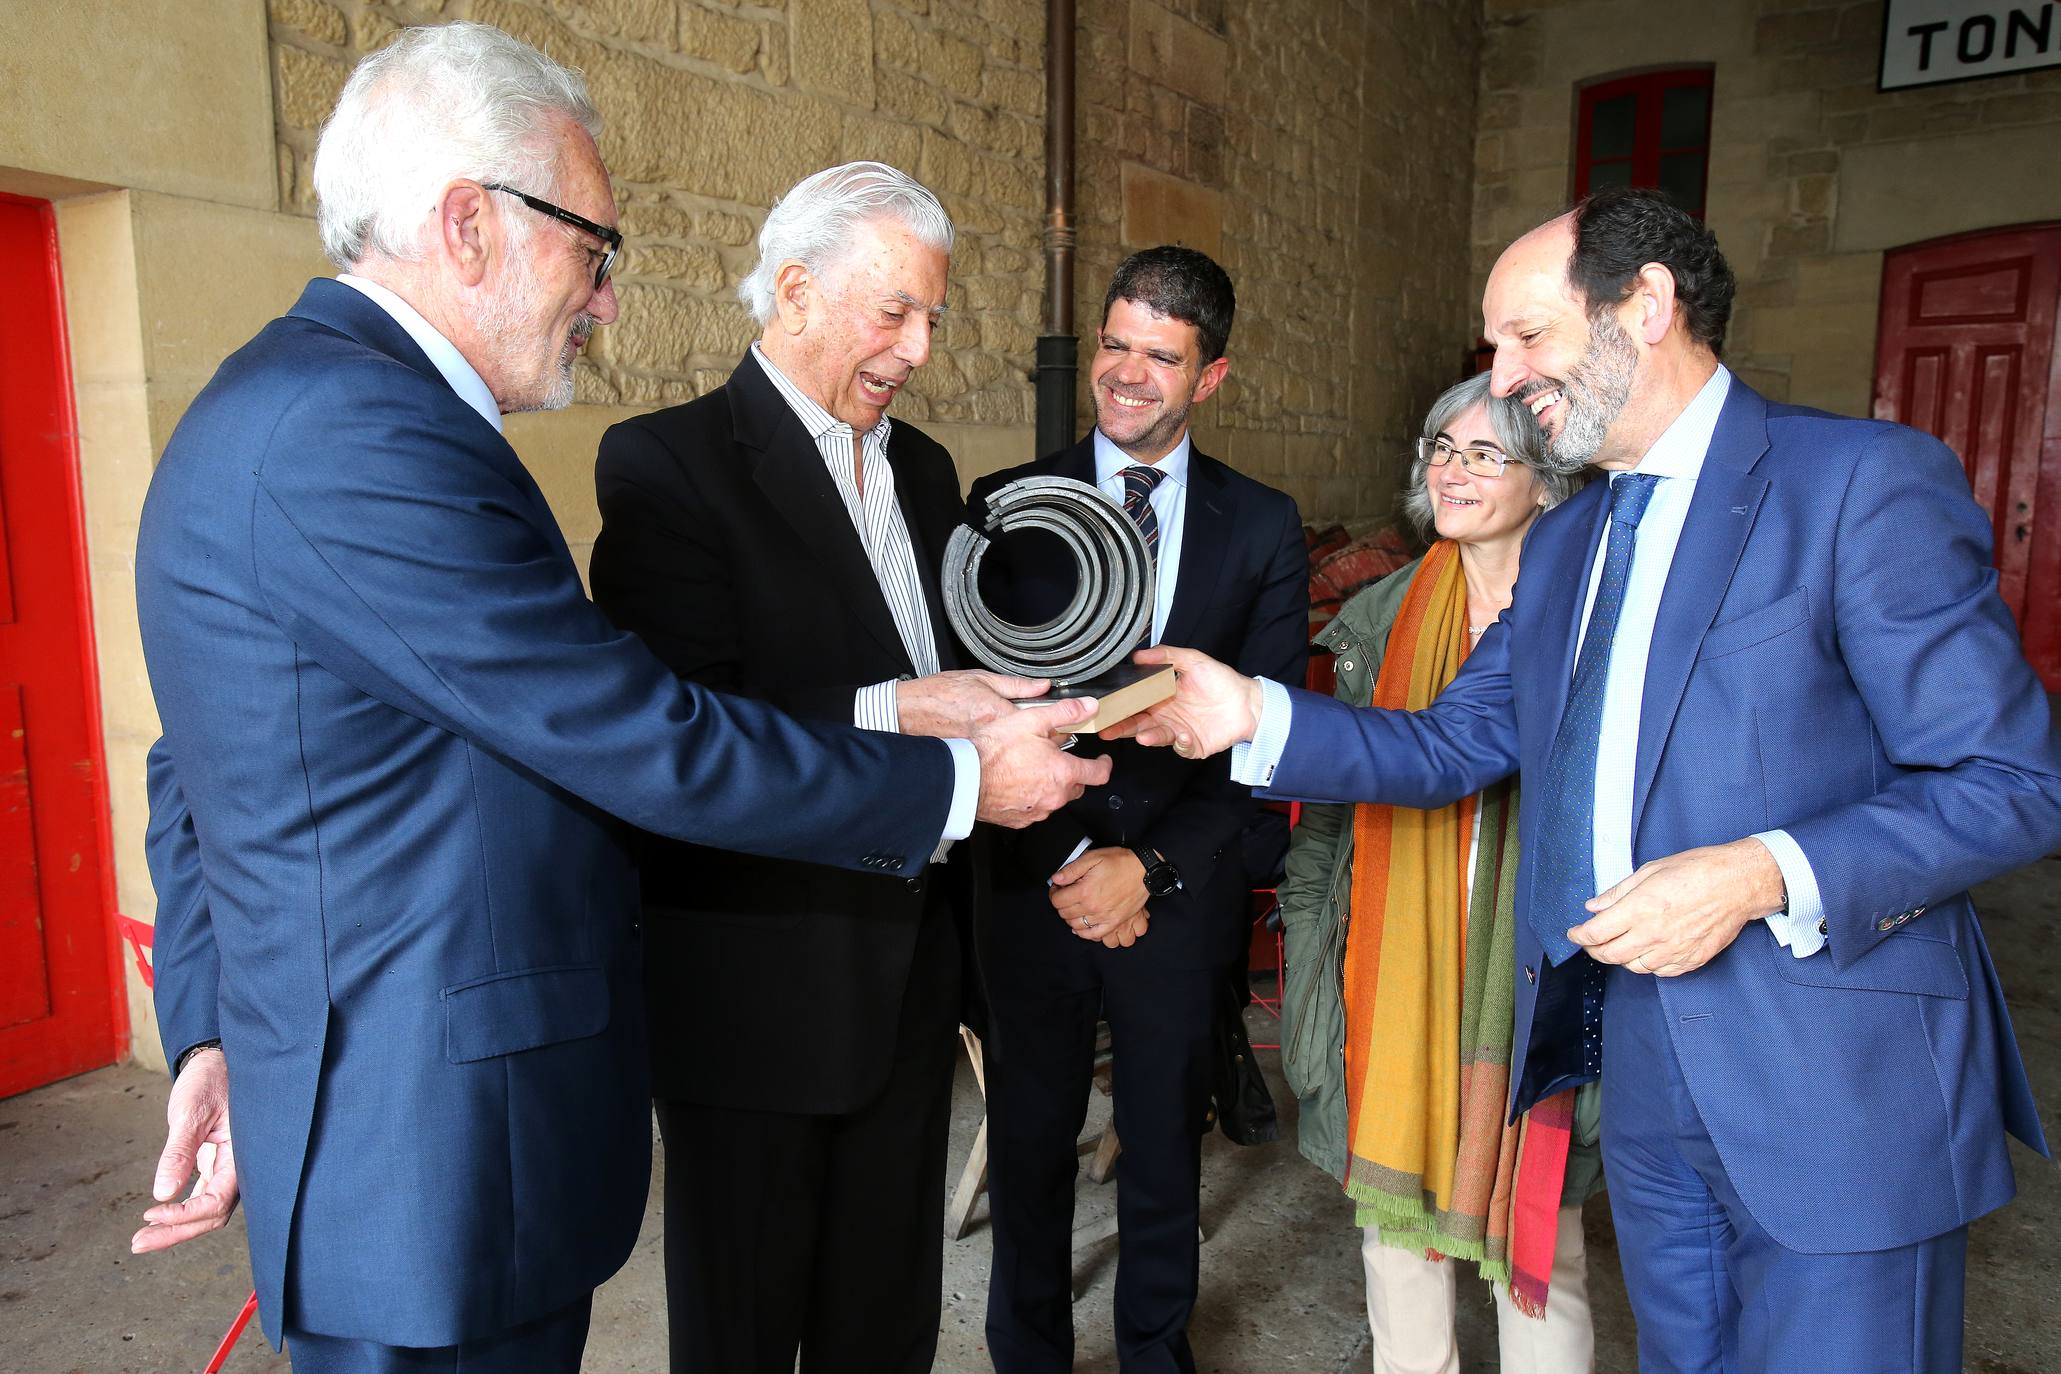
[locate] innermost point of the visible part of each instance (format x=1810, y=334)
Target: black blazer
x=724, y=545
x=1242, y=596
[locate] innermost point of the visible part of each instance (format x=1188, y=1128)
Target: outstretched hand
x=1024, y=773
x=954, y=704
x=196, y=1142
x=1213, y=707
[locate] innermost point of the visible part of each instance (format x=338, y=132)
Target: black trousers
x=821, y=1234
x=1040, y=1060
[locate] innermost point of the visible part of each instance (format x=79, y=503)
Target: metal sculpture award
x=1085, y=649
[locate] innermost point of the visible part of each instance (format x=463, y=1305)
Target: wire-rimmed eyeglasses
x=613, y=238
x=1480, y=462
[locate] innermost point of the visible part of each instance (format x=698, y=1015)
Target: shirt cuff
x=873, y=708
x=1078, y=850
x=1800, y=928
x=965, y=788
x=1253, y=761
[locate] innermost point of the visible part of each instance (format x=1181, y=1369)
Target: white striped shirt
x=877, y=518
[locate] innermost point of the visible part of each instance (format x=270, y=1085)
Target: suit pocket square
x=1756, y=626
x=506, y=1013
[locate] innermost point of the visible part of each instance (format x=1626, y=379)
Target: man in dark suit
x=781, y=537
x=1130, y=905
x=396, y=922
x=1773, y=723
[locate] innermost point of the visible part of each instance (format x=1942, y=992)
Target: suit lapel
x=1565, y=573
x=927, y=543
x=1721, y=516
x=1205, y=540
x=790, y=471
x=1077, y=462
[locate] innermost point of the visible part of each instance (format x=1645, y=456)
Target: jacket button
x=1886, y=923
x=1346, y=666
x=1530, y=974
x=1116, y=803
x=915, y=884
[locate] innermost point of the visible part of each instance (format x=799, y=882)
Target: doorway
x=59, y=1013
x=1967, y=352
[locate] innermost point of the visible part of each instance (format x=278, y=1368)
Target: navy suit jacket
x=1241, y=595
x=396, y=734
x=1831, y=658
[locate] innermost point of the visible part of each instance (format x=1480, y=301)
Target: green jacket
x=1316, y=895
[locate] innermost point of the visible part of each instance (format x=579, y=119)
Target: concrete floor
x=1280, y=1281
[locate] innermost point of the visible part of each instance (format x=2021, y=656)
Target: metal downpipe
x=1058, y=348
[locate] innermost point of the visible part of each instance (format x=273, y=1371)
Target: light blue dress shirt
x=466, y=381
x=1677, y=457
x=1169, y=502
x=443, y=354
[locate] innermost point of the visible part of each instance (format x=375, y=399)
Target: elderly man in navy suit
x=397, y=915
x=1773, y=722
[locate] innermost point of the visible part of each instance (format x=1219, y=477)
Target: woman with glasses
x=1397, y=1021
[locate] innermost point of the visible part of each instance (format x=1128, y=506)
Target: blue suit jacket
x=1831, y=658
x=395, y=736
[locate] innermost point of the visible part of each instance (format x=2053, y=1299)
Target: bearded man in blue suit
x=396, y=914
x=1773, y=722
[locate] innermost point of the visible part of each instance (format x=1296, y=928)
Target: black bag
x=1244, y=1108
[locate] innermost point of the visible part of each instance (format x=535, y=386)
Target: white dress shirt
x=465, y=380
x=877, y=519
x=1677, y=458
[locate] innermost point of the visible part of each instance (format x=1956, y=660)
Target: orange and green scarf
x=1430, y=1001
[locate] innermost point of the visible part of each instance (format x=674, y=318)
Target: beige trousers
x=1410, y=1308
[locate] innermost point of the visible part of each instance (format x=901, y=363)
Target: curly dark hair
x=1619, y=231
x=1181, y=284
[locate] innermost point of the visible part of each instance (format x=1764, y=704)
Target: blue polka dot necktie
x=1565, y=864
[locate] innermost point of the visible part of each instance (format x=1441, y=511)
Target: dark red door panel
x=1967, y=351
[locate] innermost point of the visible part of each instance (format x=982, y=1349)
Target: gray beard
x=506, y=322
x=1593, y=395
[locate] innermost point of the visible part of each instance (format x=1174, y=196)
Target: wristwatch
x=1161, y=879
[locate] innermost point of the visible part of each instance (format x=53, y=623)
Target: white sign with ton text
x=1925, y=42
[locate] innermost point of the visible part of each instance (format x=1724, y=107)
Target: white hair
x=814, y=223
x=438, y=103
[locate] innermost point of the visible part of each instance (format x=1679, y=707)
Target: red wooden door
x=1967, y=351
x=59, y=1013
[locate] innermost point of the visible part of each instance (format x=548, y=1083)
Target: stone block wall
x=713, y=110
x=1813, y=171
x=1321, y=147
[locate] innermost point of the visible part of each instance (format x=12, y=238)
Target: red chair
x=1266, y=952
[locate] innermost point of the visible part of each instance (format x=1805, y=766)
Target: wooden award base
x=1119, y=694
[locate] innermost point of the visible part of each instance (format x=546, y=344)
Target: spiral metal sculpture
x=1111, y=610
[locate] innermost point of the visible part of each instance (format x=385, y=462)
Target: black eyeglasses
x=1481, y=462
x=611, y=237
